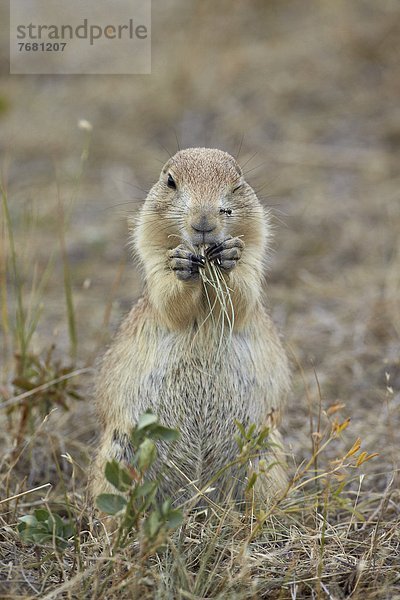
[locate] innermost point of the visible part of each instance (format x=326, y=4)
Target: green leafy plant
x=136, y=508
x=44, y=527
x=254, y=443
x=251, y=441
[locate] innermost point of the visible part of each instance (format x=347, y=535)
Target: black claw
x=213, y=250
x=199, y=261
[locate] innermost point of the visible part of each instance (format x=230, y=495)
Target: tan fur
x=197, y=371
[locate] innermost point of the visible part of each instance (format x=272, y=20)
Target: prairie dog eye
x=170, y=182
x=225, y=211
x=235, y=189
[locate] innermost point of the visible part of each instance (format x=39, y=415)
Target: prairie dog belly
x=192, y=379
x=202, y=394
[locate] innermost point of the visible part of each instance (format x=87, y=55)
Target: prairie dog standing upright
x=197, y=355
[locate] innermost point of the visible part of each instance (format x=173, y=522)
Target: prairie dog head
x=200, y=199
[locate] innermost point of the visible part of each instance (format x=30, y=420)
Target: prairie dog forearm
x=175, y=302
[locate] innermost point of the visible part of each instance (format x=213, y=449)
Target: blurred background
x=307, y=95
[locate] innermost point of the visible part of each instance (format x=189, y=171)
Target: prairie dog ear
x=165, y=169
x=236, y=166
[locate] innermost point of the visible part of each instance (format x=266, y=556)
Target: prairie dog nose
x=203, y=225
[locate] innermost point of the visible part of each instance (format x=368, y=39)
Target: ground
x=306, y=94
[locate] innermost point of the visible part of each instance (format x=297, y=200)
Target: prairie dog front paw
x=185, y=264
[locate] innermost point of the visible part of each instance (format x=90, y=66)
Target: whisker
x=133, y=185
x=245, y=173
x=248, y=160
x=176, y=138
x=165, y=150
x=133, y=201
x=240, y=147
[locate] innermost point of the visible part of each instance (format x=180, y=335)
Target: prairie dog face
x=202, y=198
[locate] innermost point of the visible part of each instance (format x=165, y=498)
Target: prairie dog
x=197, y=355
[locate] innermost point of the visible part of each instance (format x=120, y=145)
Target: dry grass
x=313, y=90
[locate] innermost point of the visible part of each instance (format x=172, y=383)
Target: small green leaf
x=24, y=530
x=241, y=428
x=147, y=488
x=251, y=481
x=147, y=454
x=41, y=514
x=28, y=520
x=250, y=431
x=148, y=499
x=111, y=504
x=145, y=420
x=153, y=524
x=262, y=436
x=117, y=476
x=159, y=432
x=175, y=518
x=55, y=524
x=69, y=530
x=166, y=507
